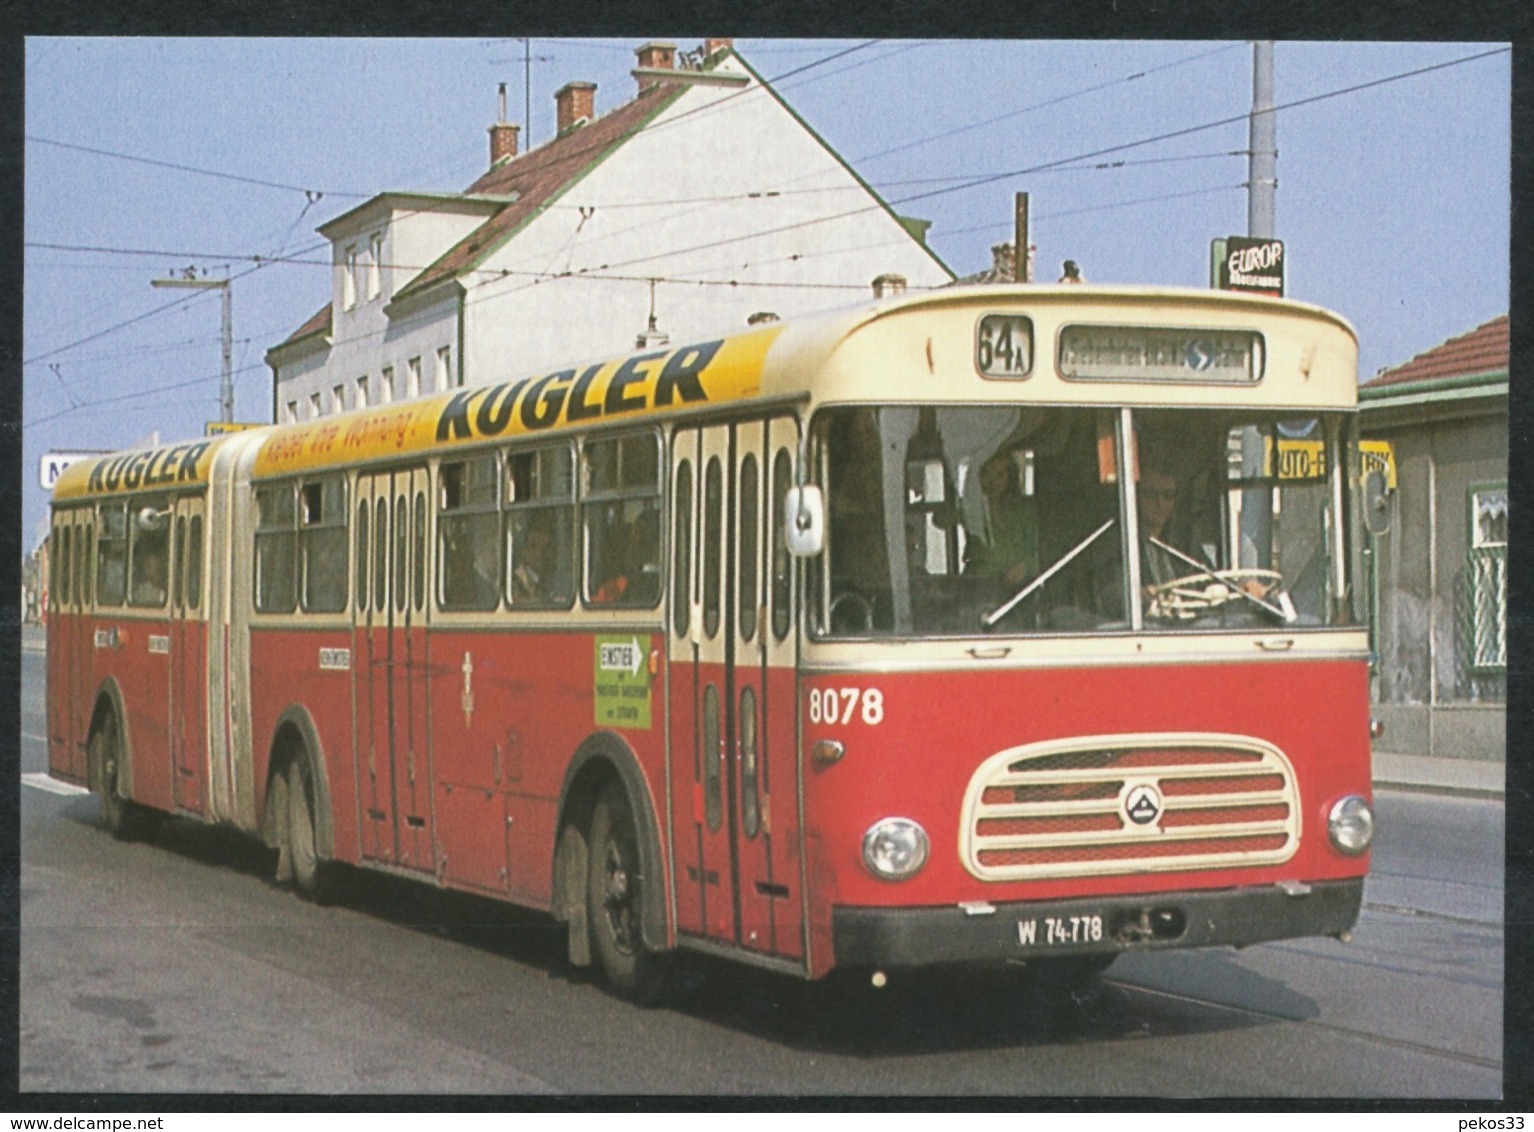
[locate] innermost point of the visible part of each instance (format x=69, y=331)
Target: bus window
x=322, y=545
x=194, y=563
x=112, y=554
x=953, y=521
x=468, y=535
x=63, y=584
x=149, y=551
x=418, y=553
x=621, y=512
x=401, y=549
x=681, y=563
x=276, y=562
x=83, y=558
x=178, y=587
x=362, y=555
x=540, y=527
x=380, y=555
x=749, y=524
x=1235, y=524
x=713, y=535
x=782, y=563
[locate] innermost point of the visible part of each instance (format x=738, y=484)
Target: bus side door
x=735, y=793
x=188, y=658
x=69, y=641
x=390, y=650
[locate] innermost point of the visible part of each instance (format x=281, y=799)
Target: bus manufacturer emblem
x=1142, y=805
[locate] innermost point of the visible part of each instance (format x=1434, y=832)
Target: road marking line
x=34, y=738
x=43, y=781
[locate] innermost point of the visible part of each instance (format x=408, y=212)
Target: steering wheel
x=1183, y=599
x=859, y=605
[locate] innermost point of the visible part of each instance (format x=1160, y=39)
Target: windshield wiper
x=1285, y=615
x=990, y=619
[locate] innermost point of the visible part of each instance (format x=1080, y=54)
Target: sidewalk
x=1475, y=778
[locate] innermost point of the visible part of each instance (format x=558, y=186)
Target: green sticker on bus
x=622, y=682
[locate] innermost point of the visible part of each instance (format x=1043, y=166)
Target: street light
x=226, y=386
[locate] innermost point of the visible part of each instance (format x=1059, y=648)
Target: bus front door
x=70, y=653
x=735, y=816
x=188, y=658
x=389, y=644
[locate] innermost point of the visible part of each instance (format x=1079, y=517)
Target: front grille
x=1129, y=804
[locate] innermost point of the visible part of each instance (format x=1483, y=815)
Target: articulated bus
x=989, y=626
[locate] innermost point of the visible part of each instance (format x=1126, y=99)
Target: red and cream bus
x=1003, y=624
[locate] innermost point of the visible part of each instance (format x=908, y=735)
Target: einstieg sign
x=1247, y=263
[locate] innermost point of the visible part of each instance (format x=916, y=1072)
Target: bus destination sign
x=1152, y=353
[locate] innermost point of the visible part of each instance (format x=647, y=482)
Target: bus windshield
x=956, y=521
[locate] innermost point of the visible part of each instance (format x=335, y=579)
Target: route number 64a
x=840, y=705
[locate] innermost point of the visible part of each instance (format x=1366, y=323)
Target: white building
x=680, y=214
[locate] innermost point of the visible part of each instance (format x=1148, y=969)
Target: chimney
x=503, y=136
x=889, y=285
x=655, y=56
x=713, y=46
x=574, y=103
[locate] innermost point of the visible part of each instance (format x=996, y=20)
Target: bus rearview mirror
x=804, y=521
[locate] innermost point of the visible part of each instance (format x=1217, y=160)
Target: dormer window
x=349, y=278
x=375, y=264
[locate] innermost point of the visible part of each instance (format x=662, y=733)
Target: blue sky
x=1392, y=200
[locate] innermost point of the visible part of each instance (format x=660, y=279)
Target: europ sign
x=1247, y=263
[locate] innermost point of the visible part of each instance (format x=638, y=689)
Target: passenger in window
x=532, y=576
x=149, y=574
x=615, y=565
x=1009, y=550
x=485, y=579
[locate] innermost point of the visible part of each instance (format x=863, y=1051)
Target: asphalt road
x=178, y=966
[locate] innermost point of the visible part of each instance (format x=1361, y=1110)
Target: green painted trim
x=1367, y=392
x=618, y=143
x=1381, y=406
x=869, y=189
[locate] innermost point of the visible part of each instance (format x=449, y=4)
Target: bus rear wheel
x=308, y=871
x=614, y=899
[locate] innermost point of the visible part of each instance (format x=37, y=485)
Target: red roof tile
x=318, y=323
x=540, y=175
x=1482, y=350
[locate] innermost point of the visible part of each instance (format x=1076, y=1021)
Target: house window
x=314, y=405
x=444, y=368
x=338, y=399
x=386, y=385
x=362, y=392
x=292, y=413
x=349, y=278
x=413, y=377
x=375, y=263
x=1488, y=576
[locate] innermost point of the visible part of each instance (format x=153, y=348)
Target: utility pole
x=1262, y=151
x=226, y=385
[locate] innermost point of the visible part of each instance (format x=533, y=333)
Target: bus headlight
x=1351, y=825
x=895, y=848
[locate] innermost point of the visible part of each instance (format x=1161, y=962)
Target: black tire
x=310, y=874
x=122, y=817
x=104, y=753
x=614, y=899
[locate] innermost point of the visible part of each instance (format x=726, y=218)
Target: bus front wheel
x=614, y=898
x=122, y=818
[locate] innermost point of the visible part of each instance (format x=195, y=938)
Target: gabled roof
x=1481, y=352
x=539, y=176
